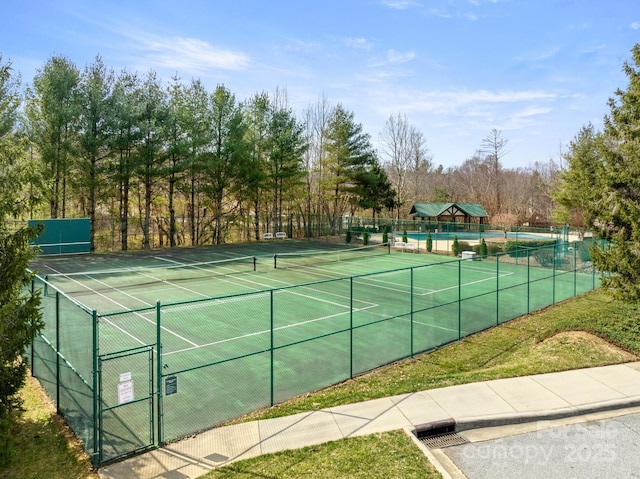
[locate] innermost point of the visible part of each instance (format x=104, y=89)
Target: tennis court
x=209, y=334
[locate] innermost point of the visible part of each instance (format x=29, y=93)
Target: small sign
x=124, y=377
x=125, y=392
x=171, y=385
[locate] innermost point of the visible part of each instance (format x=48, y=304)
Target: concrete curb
x=477, y=422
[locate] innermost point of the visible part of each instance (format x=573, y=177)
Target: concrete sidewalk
x=500, y=402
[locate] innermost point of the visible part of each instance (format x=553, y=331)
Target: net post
x=275, y=262
x=255, y=262
x=388, y=247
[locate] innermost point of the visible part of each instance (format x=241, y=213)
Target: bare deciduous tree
x=405, y=155
x=493, y=146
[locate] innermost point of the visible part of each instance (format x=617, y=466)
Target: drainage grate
x=443, y=440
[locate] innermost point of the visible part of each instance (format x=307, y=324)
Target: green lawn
x=377, y=456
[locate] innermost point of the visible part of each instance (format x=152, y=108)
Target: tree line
x=100, y=143
x=127, y=145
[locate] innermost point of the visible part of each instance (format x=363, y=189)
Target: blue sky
x=537, y=70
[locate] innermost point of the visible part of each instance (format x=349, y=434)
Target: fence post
x=351, y=327
x=160, y=405
x=593, y=273
x=575, y=271
x=271, y=344
x=555, y=259
x=57, y=350
x=96, y=393
x=497, y=290
x=459, y=300
x=32, y=354
x=528, y=281
x=411, y=308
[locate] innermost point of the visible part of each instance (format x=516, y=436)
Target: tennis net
x=90, y=282
x=317, y=257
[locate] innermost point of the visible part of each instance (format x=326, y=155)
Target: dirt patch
x=589, y=344
x=45, y=401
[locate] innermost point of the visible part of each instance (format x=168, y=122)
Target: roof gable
x=433, y=210
x=429, y=209
x=473, y=209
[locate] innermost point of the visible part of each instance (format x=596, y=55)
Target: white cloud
x=300, y=46
x=181, y=53
x=461, y=103
x=531, y=111
x=540, y=56
x=394, y=56
x=437, y=12
x=195, y=54
x=401, y=4
x=360, y=43
x=635, y=25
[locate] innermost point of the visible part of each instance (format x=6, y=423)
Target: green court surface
x=239, y=335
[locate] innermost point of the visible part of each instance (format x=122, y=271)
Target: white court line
x=270, y=285
x=222, y=278
x=124, y=308
x=266, y=331
x=236, y=338
x=221, y=300
x=195, y=345
x=369, y=281
x=466, y=284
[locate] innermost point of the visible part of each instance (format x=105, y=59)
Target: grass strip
x=45, y=446
x=376, y=456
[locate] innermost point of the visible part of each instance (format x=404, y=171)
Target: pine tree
x=484, y=250
x=615, y=212
x=455, y=247
x=20, y=318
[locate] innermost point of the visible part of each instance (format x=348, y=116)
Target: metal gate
x=126, y=402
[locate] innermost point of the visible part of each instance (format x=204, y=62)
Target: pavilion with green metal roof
x=450, y=212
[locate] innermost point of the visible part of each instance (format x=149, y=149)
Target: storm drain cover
x=440, y=441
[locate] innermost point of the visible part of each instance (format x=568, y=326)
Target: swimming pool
x=477, y=235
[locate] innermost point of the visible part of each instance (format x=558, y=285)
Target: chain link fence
x=135, y=379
